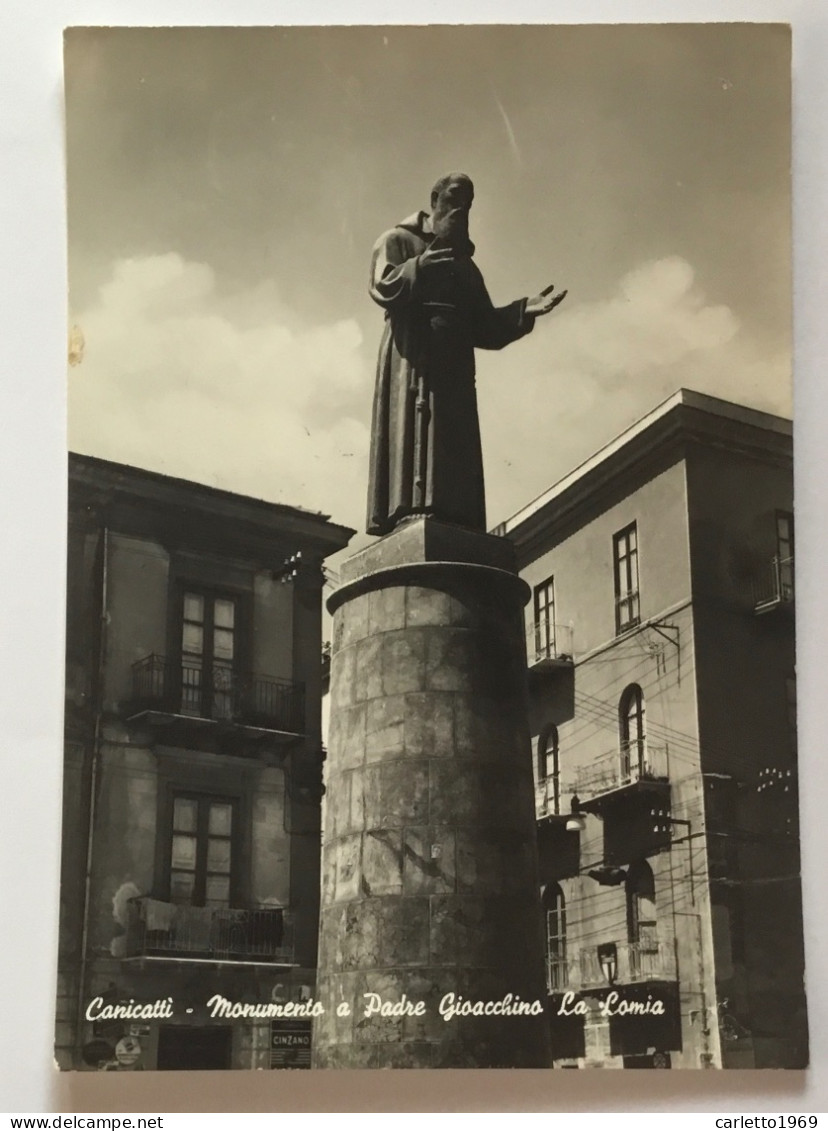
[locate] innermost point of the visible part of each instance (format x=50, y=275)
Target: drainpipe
x=103, y=581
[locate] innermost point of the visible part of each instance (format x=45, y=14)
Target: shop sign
x=290, y=1043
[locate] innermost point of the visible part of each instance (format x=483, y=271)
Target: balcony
x=629, y=963
x=773, y=587
x=160, y=931
x=188, y=699
x=611, y=964
x=636, y=769
x=549, y=645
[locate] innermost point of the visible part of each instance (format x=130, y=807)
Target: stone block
x=382, y=862
x=404, y=930
x=403, y=796
x=503, y=800
x=385, y=728
x=350, y=623
x=429, y=724
x=329, y=855
x=449, y=659
x=346, y=853
x=429, y=540
x=337, y=987
x=426, y=606
x=371, y=783
x=423, y=872
x=454, y=793
x=359, y=944
x=386, y=609
x=463, y=613
x=481, y=731
x=368, y=669
x=329, y=931
x=338, y=806
x=429, y=984
x=479, y=862
x=342, y=677
x=375, y=1029
x=461, y=932
x=347, y=740
x=356, y=812
x=404, y=661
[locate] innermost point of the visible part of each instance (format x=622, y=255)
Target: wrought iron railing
x=217, y=692
x=553, y=797
x=562, y=975
x=158, y=929
x=774, y=585
x=634, y=762
x=616, y=963
x=547, y=641
x=625, y=963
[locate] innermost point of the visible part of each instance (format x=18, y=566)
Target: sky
x=226, y=185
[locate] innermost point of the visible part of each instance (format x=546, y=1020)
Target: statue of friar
x=425, y=438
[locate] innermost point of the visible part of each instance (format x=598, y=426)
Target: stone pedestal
x=429, y=867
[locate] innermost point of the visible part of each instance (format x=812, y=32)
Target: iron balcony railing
x=158, y=929
x=553, y=797
x=626, y=963
x=547, y=641
x=217, y=692
x=774, y=585
x=639, y=761
x=617, y=963
x=563, y=975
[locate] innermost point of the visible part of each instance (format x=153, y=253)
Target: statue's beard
x=451, y=228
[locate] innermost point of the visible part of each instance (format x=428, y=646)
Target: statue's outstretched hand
x=545, y=301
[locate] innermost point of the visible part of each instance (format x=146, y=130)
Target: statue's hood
x=420, y=225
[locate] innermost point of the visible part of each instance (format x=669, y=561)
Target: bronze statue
x=425, y=438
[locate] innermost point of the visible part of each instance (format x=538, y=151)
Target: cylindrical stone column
x=429, y=871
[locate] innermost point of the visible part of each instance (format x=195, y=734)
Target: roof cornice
x=653, y=442
x=117, y=489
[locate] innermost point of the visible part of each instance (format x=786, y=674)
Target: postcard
x=430, y=665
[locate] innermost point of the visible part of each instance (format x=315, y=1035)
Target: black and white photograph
x=430, y=688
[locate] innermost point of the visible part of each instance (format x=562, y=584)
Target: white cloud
x=591, y=370
x=230, y=390
x=233, y=389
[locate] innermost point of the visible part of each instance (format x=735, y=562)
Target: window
x=785, y=554
x=202, y=850
x=208, y=655
x=633, y=739
x=548, y=765
x=545, y=648
x=625, y=566
x=554, y=907
x=642, y=927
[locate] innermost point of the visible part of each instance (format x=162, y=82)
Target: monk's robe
x=425, y=437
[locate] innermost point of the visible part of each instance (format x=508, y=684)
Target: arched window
x=642, y=927
x=548, y=765
x=631, y=721
x=554, y=907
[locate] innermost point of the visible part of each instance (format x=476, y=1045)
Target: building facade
x=193, y=773
x=660, y=642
